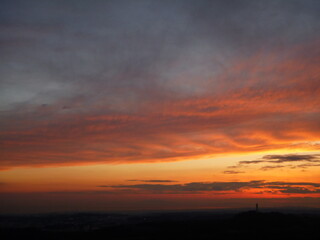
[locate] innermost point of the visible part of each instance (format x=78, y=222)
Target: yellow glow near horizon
x=73, y=178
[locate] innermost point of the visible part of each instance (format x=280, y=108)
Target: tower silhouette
x=257, y=207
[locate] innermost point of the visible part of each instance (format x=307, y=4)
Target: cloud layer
x=151, y=180
x=103, y=82
x=313, y=158
x=225, y=187
x=277, y=161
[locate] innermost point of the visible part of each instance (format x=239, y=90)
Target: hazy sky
x=168, y=93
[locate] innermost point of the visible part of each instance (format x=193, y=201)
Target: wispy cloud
x=189, y=187
x=151, y=180
x=218, y=187
x=307, y=165
x=312, y=160
x=232, y=172
x=285, y=158
x=299, y=190
x=266, y=168
x=125, y=82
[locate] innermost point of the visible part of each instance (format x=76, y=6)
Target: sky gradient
x=118, y=105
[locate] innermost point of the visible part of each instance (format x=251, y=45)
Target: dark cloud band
x=200, y=187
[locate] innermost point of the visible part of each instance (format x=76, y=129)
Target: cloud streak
x=313, y=158
x=225, y=187
x=295, y=160
x=151, y=180
x=232, y=172
x=124, y=82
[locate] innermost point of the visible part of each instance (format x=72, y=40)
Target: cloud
x=189, y=187
x=311, y=159
x=285, y=158
x=151, y=180
x=218, y=187
x=89, y=192
x=293, y=183
x=292, y=158
x=232, y=172
x=250, y=162
x=306, y=165
x=299, y=190
x=86, y=84
x=265, y=168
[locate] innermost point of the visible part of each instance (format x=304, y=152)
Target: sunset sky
x=159, y=104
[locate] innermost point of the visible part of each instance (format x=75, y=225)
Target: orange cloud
x=262, y=103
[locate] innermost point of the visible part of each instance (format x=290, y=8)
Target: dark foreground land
x=167, y=225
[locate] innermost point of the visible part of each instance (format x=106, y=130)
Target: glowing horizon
x=116, y=103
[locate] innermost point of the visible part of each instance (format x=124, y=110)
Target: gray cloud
x=232, y=172
x=312, y=160
x=293, y=184
x=292, y=158
x=266, y=168
x=250, y=162
x=166, y=66
x=307, y=165
x=113, y=51
x=285, y=158
x=299, y=190
x=198, y=187
x=150, y=180
x=190, y=187
x=109, y=192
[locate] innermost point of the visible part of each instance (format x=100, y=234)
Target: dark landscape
x=204, y=224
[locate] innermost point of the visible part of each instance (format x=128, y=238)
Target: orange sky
x=119, y=106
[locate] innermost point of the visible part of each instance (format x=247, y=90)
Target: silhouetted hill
x=276, y=224
x=167, y=225
x=270, y=218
